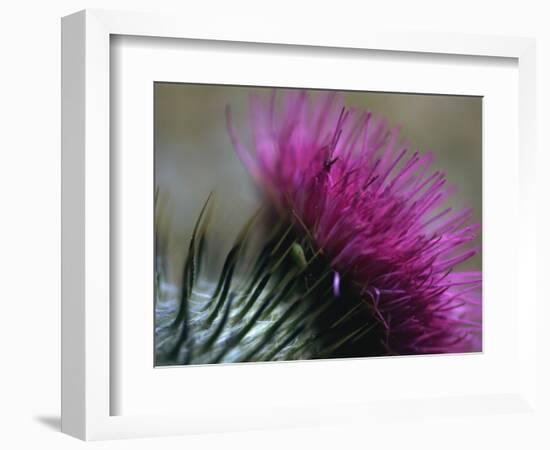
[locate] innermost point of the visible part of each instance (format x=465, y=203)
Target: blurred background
x=194, y=155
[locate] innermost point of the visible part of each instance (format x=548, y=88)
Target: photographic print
x=300, y=224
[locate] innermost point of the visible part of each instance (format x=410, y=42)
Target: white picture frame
x=87, y=326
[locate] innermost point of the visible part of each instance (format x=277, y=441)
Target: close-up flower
x=377, y=213
x=357, y=247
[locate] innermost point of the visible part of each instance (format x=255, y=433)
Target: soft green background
x=194, y=156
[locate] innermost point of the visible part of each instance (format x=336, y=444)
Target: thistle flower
x=377, y=213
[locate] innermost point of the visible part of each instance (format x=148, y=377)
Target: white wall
x=30, y=189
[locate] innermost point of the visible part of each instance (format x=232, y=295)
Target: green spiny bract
x=280, y=307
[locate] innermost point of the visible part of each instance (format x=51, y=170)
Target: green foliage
x=280, y=308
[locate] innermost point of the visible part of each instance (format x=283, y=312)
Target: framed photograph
x=258, y=225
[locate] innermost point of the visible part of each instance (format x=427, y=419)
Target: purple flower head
x=376, y=211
